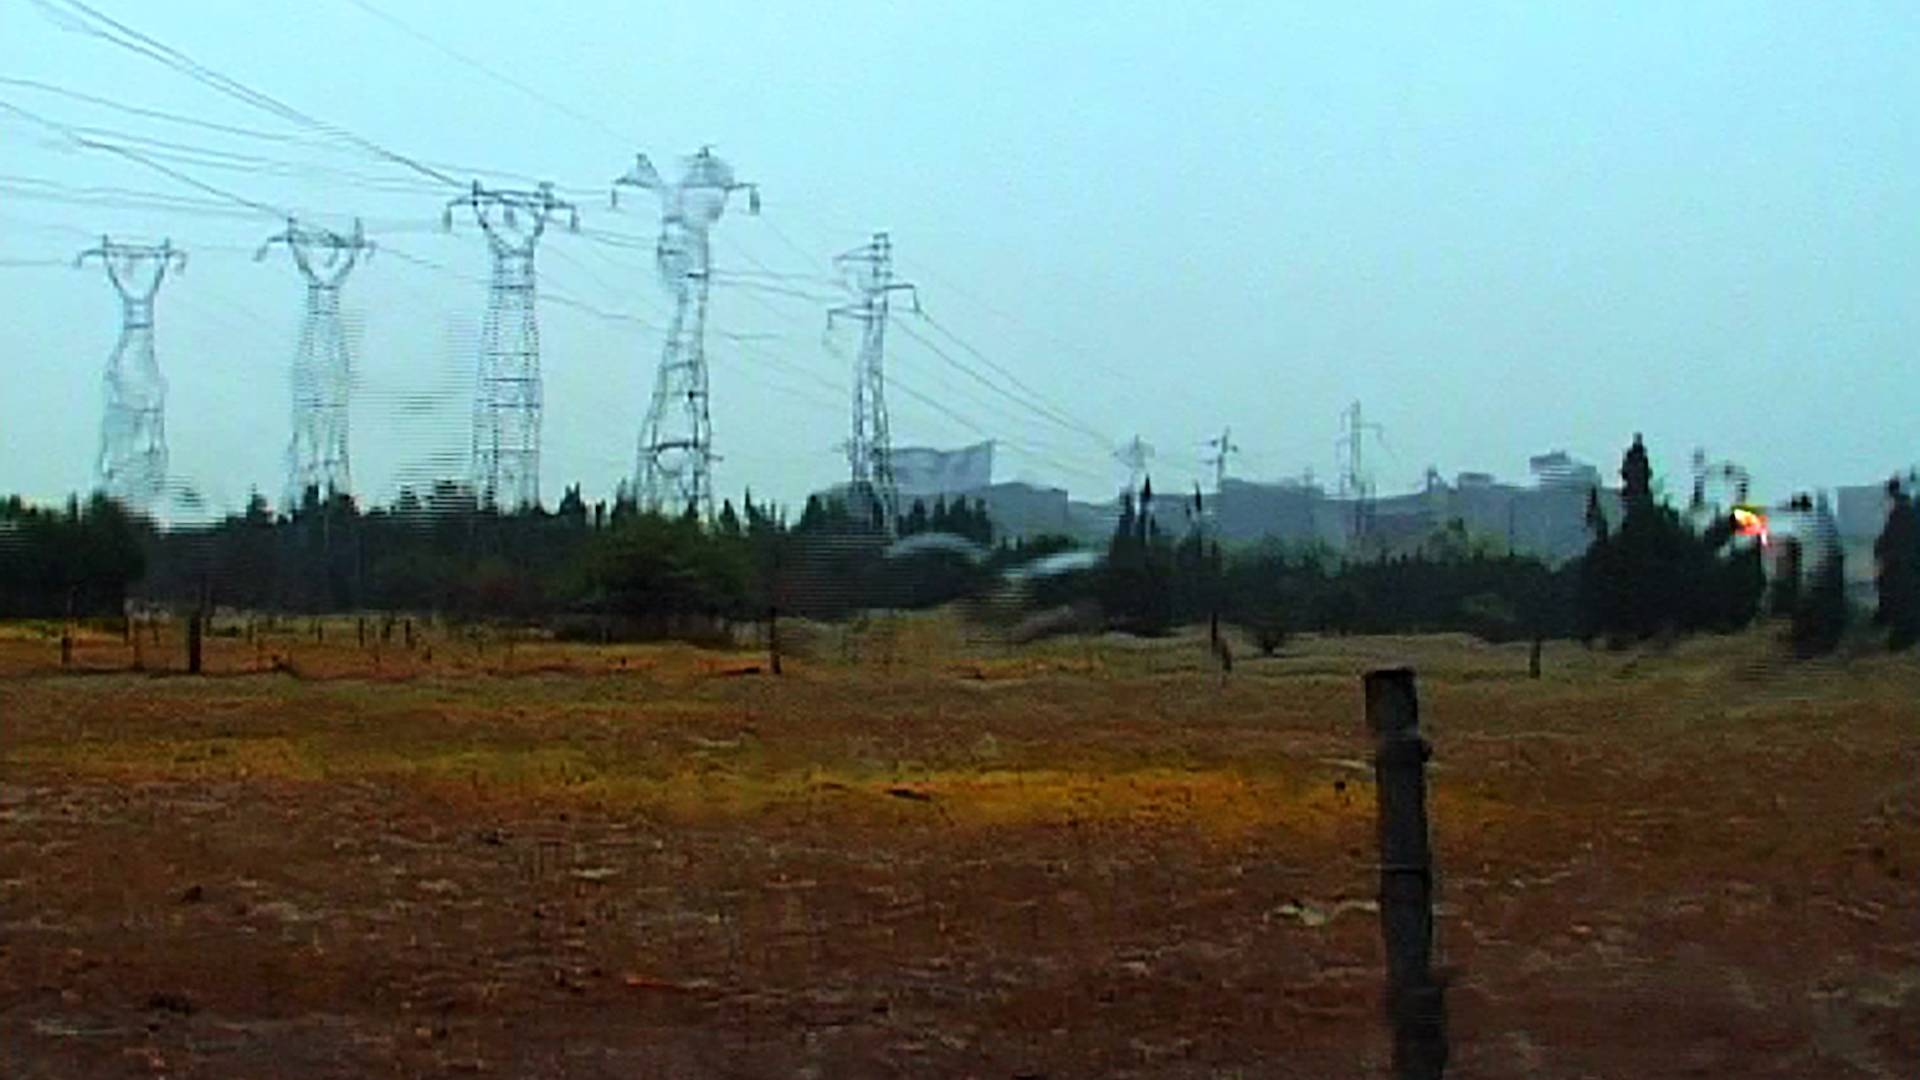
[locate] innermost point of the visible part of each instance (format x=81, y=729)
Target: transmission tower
x=506, y=397
x=674, y=466
x=1355, y=482
x=132, y=465
x=1223, y=448
x=1134, y=455
x=869, y=270
x=322, y=373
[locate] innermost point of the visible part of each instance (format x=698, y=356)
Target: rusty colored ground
x=916, y=854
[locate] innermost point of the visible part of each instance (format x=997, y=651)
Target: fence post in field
x=194, y=622
x=773, y=637
x=1533, y=660
x=1415, y=1000
x=66, y=647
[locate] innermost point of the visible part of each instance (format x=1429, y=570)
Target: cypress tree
x=1896, y=553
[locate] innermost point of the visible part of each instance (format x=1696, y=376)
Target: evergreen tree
x=1821, y=617
x=1896, y=554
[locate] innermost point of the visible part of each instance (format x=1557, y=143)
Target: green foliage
x=1896, y=555
x=1271, y=590
x=1821, y=618
x=1654, y=574
x=79, y=560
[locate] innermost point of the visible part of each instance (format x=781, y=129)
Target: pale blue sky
x=1504, y=228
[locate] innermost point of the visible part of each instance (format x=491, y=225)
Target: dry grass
x=924, y=852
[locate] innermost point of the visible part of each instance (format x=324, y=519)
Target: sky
x=1504, y=229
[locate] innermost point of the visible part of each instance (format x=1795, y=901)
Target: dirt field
x=915, y=854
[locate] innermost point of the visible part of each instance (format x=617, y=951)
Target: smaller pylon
x=132, y=463
x=322, y=373
x=1223, y=448
x=507, y=396
x=1135, y=455
x=870, y=447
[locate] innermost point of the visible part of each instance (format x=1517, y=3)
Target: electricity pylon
x=322, y=373
x=1355, y=481
x=870, y=447
x=132, y=464
x=1134, y=455
x=506, y=397
x=674, y=463
x=1223, y=448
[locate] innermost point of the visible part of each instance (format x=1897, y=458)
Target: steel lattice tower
x=132, y=465
x=870, y=449
x=506, y=396
x=674, y=463
x=322, y=374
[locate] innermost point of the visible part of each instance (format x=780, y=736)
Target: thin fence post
x=1415, y=999
x=194, y=631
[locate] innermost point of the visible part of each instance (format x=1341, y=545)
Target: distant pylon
x=322, y=373
x=1134, y=455
x=506, y=397
x=674, y=464
x=1355, y=481
x=1223, y=448
x=132, y=464
x=870, y=447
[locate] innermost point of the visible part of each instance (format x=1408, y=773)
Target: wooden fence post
x=1415, y=1000
x=194, y=630
x=773, y=637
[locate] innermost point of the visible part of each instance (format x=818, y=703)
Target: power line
x=1035, y=395
x=126, y=37
x=426, y=39
x=152, y=114
x=1027, y=403
x=142, y=159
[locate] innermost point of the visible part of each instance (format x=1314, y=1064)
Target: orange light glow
x=1749, y=522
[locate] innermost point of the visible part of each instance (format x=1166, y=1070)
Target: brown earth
x=919, y=854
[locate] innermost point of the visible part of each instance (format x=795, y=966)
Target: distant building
x=1547, y=519
x=924, y=473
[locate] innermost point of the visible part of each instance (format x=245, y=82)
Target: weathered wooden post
x=773, y=638
x=194, y=629
x=66, y=647
x=1533, y=660
x=1416, y=1001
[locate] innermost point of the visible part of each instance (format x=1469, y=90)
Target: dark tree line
x=1152, y=582
x=1656, y=575
x=618, y=568
x=75, y=561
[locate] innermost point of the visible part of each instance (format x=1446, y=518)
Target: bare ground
x=916, y=854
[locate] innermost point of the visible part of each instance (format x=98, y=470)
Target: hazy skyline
x=1521, y=229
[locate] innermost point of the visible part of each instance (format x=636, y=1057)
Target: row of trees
x=77, y=560
x=1152, y=581
x=1649, y=573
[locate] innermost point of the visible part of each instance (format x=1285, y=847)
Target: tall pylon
x=673, y=469
x=132, y=463
x=506, y=397
x=869, y=271
x=322, y=373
